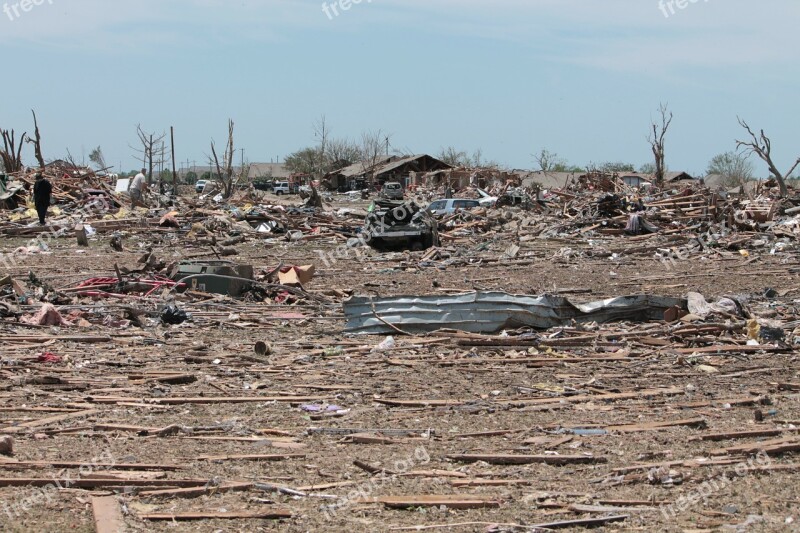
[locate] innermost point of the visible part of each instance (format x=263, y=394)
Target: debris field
x=590, y=359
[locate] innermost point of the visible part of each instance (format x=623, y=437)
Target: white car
x=451, y=205
x=281, y=188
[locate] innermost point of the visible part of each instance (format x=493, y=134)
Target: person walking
x=136, y=189
x=42, y=192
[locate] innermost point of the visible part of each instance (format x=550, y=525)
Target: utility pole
x=174, y=176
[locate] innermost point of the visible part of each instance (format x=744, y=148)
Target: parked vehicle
x=392, y=191
x=451, y=205
x=199, y=186
x=281, y=187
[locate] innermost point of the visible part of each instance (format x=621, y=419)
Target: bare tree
x=11, y=154
x=761, y=145
x=341, y=153
x=150, y=154
x=374, y=147
x=37, y=141
x=322, y=132
x=453, y=157
x=225, y=171
x=656, y=140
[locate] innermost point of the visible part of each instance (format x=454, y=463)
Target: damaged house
x=387, y=169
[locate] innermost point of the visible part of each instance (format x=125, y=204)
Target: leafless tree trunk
x=11, y=154
x=225, y=175
x=761, y=145
x=322, y=131
x=373, y=144
x=148, y=153
x=37, y=141
x=656, y=140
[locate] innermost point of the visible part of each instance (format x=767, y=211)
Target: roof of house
x=548, y=180
x=677, y=176
x=386, y=164
x=268, y=170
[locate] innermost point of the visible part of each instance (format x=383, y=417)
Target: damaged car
x=393, y=225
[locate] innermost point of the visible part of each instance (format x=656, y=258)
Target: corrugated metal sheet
x=490, y=312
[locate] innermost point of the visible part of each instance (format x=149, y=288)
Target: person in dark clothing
x=42, y=190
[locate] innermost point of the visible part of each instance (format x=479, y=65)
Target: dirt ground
x=542, y=400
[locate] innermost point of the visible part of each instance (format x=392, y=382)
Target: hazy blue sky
x=580, y=77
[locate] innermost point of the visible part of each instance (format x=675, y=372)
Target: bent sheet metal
x=490, y=312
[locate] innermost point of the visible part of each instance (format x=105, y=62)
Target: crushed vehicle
x=394, y=225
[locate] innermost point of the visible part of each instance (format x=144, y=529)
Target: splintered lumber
x=609, y=397
x=451, y=501
x=277, y=514
x=107, y=515
x=209, y=399
x=196, y=492
x=769, y=447
x=489, y=482
x=422, y=403
x=731, y=348
x=527, y=459
x=584, y=522
x=47, y=421
x=654, y=426
x=220, y=458
x=754, y=434
x=86, y=339
x=30, y=465
x=99, y=483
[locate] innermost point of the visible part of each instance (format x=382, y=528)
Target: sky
x=582, y=78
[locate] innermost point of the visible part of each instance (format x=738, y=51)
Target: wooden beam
x=107, y=515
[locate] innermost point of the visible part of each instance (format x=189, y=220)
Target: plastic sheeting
x=490, y=312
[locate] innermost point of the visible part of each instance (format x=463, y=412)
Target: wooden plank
x=422, y=403
x=731, y=348
x=210, y=399
x=107, y=515
x=220, y=458
x=614, y=396
x=758, y=433
x=527, y=459
x=277, y=514
x=489, y=482
x=47, y=421
x=655, y=426
x=451, y=501
x=99, y=483
x=25, y=465
x=196, y=492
